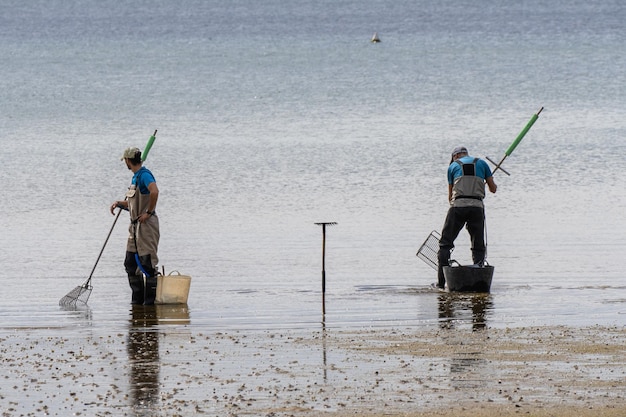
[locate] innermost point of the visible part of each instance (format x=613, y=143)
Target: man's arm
x=154, y=197
x=491, y=184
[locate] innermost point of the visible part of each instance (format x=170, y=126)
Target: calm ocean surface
x=274, y=115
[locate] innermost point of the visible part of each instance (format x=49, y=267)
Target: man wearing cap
x=466, y=190
x=143, y=240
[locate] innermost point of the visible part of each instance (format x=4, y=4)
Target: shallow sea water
x=272, y=117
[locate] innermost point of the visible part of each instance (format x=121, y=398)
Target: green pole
x=146, y=150
x=517, y=140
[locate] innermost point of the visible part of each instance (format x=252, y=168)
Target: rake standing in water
x=143, y=240
x=80, y=294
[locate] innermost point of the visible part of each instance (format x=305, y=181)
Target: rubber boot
x=137, y=287
x=443, y=257
x=441, y=279
x=150, y=292
x=145, y=263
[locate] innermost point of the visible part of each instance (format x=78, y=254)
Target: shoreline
x=411, y=372
x=541, y=371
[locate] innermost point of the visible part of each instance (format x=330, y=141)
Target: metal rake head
x=429, y=249
x=79, y=295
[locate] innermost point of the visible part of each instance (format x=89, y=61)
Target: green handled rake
x=80, y=294
x=428, y=251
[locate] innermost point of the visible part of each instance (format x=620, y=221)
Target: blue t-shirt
x=482, y=169
x=142, y=178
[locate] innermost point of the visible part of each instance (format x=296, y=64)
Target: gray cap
x=130, y=153
x=458, y=150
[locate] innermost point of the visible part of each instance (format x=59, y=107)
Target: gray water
x=275, y=115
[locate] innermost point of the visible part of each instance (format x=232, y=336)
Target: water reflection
x=143, y=351
x=468, y=366
x=324, y=356
x=172, y=314
x=458, y=309
x=468, y=370
x=143, y=357
x=81, y=312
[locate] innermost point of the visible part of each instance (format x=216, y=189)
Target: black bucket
x=468, y=278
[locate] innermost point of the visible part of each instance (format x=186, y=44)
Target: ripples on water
x=267, y=126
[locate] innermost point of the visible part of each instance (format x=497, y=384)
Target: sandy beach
x=158, y=369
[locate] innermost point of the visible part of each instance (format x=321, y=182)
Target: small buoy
x=375, y=38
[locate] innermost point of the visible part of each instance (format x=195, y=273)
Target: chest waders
x=468, y=191
x=141, y=249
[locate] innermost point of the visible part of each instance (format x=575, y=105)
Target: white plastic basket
x=172, y=289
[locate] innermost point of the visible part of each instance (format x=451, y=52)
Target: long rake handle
x=517, y=140
x=104, y=245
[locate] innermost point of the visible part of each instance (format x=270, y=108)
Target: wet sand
x=152, y=368
x=551, y=371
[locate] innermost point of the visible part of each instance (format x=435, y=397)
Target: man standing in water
x=466, y=189
x=143, y=240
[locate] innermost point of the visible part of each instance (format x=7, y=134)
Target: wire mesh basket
x=428, y=251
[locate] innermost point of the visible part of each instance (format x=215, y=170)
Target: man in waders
x=143, y=240
x=466, y=189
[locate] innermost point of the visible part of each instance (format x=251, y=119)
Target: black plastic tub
x=468, y=278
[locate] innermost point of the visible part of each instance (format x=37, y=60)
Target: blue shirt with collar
x=142, y=179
